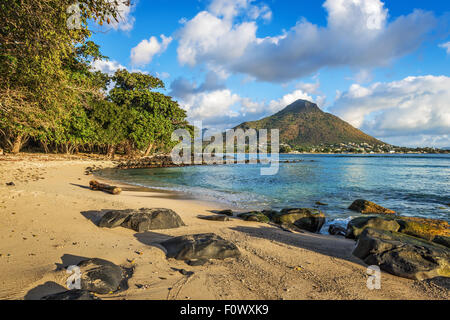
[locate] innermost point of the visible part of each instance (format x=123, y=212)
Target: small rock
x=214, y=218
x=197, y=262
x=368, y=207
x=336, y=230
x=227, y=212
x=10, y=184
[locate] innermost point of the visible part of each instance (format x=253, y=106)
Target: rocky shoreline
x=413, y=248
x=129, y=251
x=165, y=161
x=410, y=247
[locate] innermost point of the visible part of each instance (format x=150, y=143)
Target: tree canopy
x=52, y=99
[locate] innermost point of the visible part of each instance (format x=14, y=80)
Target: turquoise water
x=413, y=185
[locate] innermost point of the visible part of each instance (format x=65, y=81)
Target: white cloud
x=211, y=107
x=126, y=20
x=228, y=9
x=144, y=52
x=163, y=75
x=413, y=111
x=445, y=46
x=254, y=110
x=311, y=88
x=220, y=108
x=106, y=66
x=358, y=35
x=207, y=38
x=278, y=105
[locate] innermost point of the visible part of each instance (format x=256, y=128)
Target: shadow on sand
x=95, y=215
x=153, y=239
x=43, y=290
x=333, y=246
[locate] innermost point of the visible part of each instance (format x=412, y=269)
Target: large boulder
x=142, y=220
x=255, y=216
x=200, y=246
x=100, y=276
x=76, y=294
x=310, y=220
x=403, y=255
x=368, y=207
x=424, y=228
x=270, y=213
x=444, y=241
x=427, y=229
x=356, y=226
x=115, y=218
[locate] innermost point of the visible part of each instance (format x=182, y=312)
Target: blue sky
x=383, y=66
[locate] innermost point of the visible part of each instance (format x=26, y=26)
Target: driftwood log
x=95, y=185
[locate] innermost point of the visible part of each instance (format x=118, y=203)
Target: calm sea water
x=413, y=185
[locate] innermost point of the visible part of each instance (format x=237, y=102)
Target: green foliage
x=50, y=96
x=303, y=124
x=285, y=148
x=151, y=116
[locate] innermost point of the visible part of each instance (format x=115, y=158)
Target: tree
x=151, y=116
x=35, y=46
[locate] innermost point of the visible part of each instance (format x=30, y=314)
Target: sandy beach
x=48, y=222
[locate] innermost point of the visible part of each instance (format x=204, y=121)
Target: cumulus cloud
x=106, y=66
x=311, y=88
x=413, y=111
x=215, y=108
x=183, y=88
x=228, y=9
x=357, y=34
x=144, y=52
x=220, y=108
x=163, y=75
x=445, y=46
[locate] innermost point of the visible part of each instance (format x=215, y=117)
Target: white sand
x=45, y=222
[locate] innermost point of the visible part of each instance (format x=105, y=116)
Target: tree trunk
x=45, y=145
x=111, y=151
x=129, y=149
x=149, y=149
x=17, y=144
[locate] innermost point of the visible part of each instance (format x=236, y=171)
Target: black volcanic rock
x=142, y=220
x=403, y=255
x=200, y=246
x=100, y=276
x=71, y=295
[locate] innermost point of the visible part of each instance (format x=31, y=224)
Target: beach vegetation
x=52, y=100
